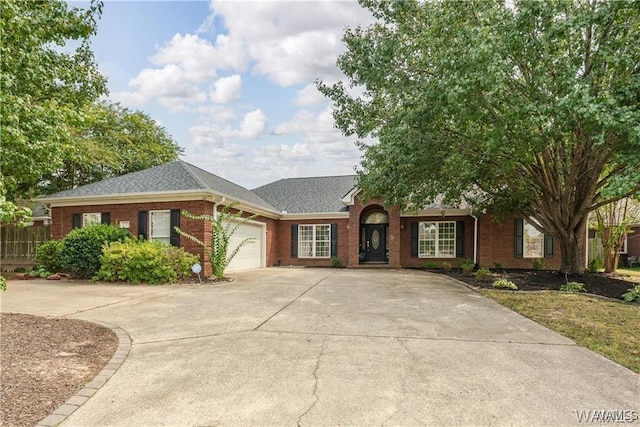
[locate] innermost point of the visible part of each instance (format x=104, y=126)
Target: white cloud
x=253, y=125
x=309, y=95
x=226, y=89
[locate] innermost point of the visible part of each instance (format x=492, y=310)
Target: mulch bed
x=535, y=280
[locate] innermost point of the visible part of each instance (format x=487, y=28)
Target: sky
x=233, y=81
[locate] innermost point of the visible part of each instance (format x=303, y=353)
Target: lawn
x=631, y=274
x=607, y=327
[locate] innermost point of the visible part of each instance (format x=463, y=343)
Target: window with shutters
x=314, y=241
x=532, y=241
x=91, y=218
x=437, y=240
x=160, y=226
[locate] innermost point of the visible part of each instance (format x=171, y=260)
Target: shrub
x=82, y=248
x=537, y=264
x=431, y=265
x=482, y=273
x=504, y=284
x=40, y=271
x=144, y=261
x=335, y=262
x=48, y=255
x=573, y=287
x=446, y=266
x=467, y=266
x=596, y=265
x=497, y=264
x=633, y=294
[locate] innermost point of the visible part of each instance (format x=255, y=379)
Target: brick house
x=299, y=221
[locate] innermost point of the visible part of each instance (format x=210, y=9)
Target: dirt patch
x=534, y=280
x=45, y=361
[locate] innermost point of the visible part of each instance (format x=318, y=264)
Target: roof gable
x=308, y=195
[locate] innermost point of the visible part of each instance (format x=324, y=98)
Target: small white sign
x=124, y=224
x=196, y=268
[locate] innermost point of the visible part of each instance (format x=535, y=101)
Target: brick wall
x=497, y=244
x=405, y=237
x=282, y=243
x=62, y=222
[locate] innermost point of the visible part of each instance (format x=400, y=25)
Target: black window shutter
x=414, y=239
x=548, y=245
x=334, y=240
x=143, y=224
x=294, y=240
x=459, y=239
x=519, y=238
x=105, y=218
x=174, y=221
x=76, y=220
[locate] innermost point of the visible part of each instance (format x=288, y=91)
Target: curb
x=67, y=408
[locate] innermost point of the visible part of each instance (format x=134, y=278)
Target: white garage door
x=251, y=254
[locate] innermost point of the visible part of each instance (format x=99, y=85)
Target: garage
x=250, y=255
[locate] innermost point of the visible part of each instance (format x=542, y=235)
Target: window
x=314, y=241
x=623, y=248
x=91, y=218
x=533, y=241
x=437, y=240
x=160, y=228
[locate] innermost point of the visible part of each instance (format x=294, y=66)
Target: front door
x=375, y=243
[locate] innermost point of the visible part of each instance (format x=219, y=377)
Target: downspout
x=475, y=239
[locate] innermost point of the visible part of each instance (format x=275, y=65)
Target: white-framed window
x=623, y=249
x=532, y=241
x=160, y=226
x=91, y=218
x=314, y=240
x=437, y=239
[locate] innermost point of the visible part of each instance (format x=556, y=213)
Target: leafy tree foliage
x=111, y=141
x=44, y=84
x=523, y=107
x=223, y=226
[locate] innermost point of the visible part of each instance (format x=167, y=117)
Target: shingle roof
x=174, y=176
x=308, y=195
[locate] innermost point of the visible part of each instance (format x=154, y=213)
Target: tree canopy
x=44, y=85
x=527, y=108
x=112, y=140
x=55, y=132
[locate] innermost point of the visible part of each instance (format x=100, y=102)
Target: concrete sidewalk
x=329, y=347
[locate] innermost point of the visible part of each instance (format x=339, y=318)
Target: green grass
x=609, y=328
x=633, y=274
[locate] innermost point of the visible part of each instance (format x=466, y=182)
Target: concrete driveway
x=329, y=347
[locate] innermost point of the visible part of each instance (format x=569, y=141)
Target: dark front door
x=375, y=243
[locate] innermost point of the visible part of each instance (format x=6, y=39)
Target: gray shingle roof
x=308, y=195
x=174, y=176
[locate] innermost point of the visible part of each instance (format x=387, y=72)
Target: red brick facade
x=495, y=241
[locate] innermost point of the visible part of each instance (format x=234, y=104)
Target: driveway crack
x=315, y=384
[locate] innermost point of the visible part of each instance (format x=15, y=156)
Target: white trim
x=349, y=199
x=437, y=239
x=314, y=241
x=436, y=212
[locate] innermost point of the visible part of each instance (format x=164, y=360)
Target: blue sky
x=233, y=81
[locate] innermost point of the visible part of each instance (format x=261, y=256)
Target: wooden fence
x=18, y=245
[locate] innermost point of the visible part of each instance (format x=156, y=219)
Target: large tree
x=111, y=140
x=529, y=108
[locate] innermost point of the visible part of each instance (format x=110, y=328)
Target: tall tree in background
x=112, y=140
x=525, y=107
x=44, y=86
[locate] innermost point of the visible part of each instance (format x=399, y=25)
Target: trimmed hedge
x=48, y=256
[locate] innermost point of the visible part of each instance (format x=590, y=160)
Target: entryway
x=374, y=226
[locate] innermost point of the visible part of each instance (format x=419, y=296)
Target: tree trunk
x=572, y=250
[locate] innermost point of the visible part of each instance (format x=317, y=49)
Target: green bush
x=335, y=262
x=48, y=255
x=144, y=261
x=504, y=284
x=82, y=248
x=497, y=264
x=596, y=265
x=467, y=266
x=633, y=294
x=446, y=266
x=482, y=273
x=573, y=287
x=431, y=265
x=537, y=264
x=40, y=271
